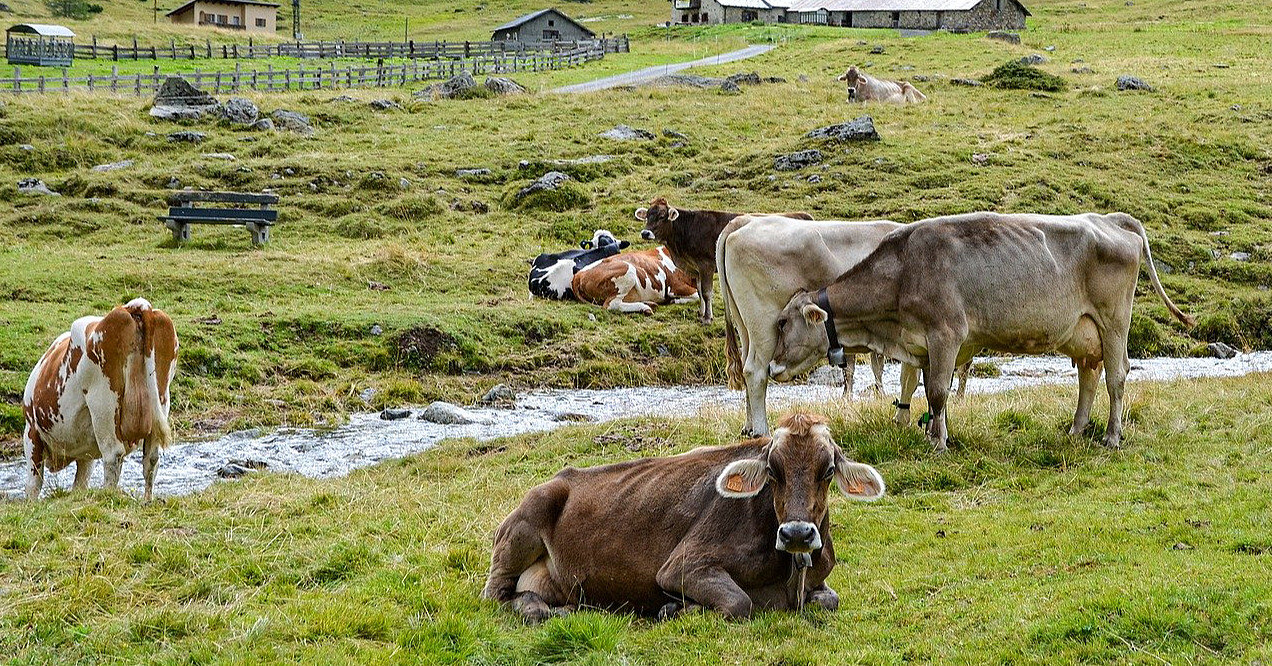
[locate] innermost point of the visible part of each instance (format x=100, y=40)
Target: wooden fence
x=301, y=78
x=426, y=50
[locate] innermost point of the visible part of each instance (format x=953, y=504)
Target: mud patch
x=419, y=347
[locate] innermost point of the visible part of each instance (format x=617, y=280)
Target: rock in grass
x=1033, y=59
x=237, y=468
x=472, y=173
x=394, y=414
x=1126, y=82
x=240, y=110
x=385, y=105
x=113, y=166
x=970, y=83
x=444, y=413
x=549, y=181
x=176, y=99
x=627, y=133
x=731, y=88
x=501, y=85
x=263, y=125
x=858, y=129
x=745, y=79
x=292, y=121
x=797, y=160
x=35, y=186
x=187, y=136
x=1220, y=350
x=1009, y=37
x=500, y=395
x=1239, y=256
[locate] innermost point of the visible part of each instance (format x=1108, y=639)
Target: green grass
x=295, y=345
x=1022, y=545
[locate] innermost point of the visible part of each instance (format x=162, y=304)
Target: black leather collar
x=834, y=351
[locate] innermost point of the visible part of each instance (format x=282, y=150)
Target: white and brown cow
x=634, y=282
x=99, y=391
x=865, y=88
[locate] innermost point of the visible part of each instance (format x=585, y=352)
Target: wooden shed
x=40, y=44
x=545, y=25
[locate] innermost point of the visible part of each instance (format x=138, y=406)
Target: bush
x=1016, y=75
x=567, y=196
x=74, y=9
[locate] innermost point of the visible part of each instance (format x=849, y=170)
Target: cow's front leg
x=1088, y=381
x=708, y=585
x=823, y=596
x=706, y=280
x=909, y=384
x=876, y=367
x=83, y=468
x=850, y=374
x=936, y=381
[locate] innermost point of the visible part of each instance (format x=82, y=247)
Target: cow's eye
x=830, y=473
x=781, y=324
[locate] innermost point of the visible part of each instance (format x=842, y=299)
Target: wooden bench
x=182, y=212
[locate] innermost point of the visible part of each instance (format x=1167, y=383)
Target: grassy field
x=1022, y=545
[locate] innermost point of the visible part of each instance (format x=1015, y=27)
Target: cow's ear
x=857, y=481
x=813, y=314
x=672, y=214
x=742, y=478
x=642, y=213
x=622, y=245
x=842, y=77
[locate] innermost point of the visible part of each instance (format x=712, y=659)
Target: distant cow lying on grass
x=865, y=88
x=690, y=237
x=634, y=282
x=99, y=391
x=733, y=528
x=551, y=273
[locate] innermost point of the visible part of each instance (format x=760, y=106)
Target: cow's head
x=601, y=238
x=798, y=466
x=657, y=218
x=801, y=338
x=851, y=76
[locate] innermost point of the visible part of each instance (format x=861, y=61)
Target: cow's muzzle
x=798, y=536
x=646, y=234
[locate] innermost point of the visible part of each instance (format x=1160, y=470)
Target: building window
x=260, y=23
x=222, y=19
x=234, y=20
x=848, y=20
x=551, y=22
x=896, y=19
x=684, y=18
x=704, y=20
x=551, y=35
x=750, y=15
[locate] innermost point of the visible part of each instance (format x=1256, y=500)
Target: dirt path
x=649, y=73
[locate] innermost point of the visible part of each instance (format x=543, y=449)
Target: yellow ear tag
x=734, y=484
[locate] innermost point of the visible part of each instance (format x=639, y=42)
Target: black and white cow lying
x=551, y=273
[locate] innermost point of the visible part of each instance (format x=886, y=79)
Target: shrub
x=75, y=9
x=567, y=196
x=1016, y=75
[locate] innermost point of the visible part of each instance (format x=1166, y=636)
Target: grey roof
x=887, y=5
x=746, y=4
x=227, y=2
x=42, y=29
x=534, y=15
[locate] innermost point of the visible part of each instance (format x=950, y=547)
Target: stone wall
x=987, y=16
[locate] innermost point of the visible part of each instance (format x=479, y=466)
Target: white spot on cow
x=558, y=276
x=138, y=304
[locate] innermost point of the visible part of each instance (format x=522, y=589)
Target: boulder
x=174, y=183
x=35, y=186
x=178, y=112
x=858, y=129
x=176, y=99
x=774, y=79
x=113, y=166
x=684, y=80
x=295, y=122
x=460, y=85
x=572, y=417
x=547, y=182
x=1220, y=350
x=26, y=147
x=236, y=468
x=499, y=396
x=797, y=160
x=730, y=87
x=1002, y=36
x=263, y=125
x=627, y=133
x=223, y=156
x=878, y=49
x=673, y=134
x=1033, y=59
x=1239, y=256
x=501, y=85
x=384, y=104
x=240, y=111
x=971, y=83
x=344, y=99
x=745, y=79
x=445, y=413
x=395, y=414
x=815, y=178
x=187, y=136
x=472, y=173
x=1126, y=82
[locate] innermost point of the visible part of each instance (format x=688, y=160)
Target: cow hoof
x=1114, y=443
x=826, y=599
x=941, y=448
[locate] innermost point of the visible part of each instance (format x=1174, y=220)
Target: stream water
x=366, y=439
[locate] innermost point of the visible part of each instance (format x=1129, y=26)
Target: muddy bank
x=367, y=439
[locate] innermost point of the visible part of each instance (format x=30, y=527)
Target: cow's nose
x=647, y=234
x=800, y=532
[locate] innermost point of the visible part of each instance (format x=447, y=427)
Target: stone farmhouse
x=954, y=15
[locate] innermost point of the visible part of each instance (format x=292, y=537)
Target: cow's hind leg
x=1088, y=381
x=519, y=572
x=150, y=462
x=850, y=375
x=83, y=469
x=1116, y=365
x=35, y=449
x=963, y=371
x=909, y=384
x=876, y=367
x=936, y=381
x=101, y=407
x=706, y=280
x=755, y=373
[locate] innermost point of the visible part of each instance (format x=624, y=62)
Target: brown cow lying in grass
x=865, y=88
x=731, y=528
x=634, y=282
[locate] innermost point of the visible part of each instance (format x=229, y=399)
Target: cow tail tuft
x=733, y=355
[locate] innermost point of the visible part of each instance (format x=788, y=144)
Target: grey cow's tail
x=733, y=355
x=1138, y=227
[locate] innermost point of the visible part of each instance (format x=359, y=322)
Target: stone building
x=545, y=25
x=248, y=15
x=959, y=15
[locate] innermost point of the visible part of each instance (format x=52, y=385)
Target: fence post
x=209, y=44
x=90, y=83
x=94, y=47
x=17, y=79
x=114, y=78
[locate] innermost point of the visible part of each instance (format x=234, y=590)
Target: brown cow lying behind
x=865, y=88
x=690, y=237
x=99, y=391
x=634, y=282
x=721, y=527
